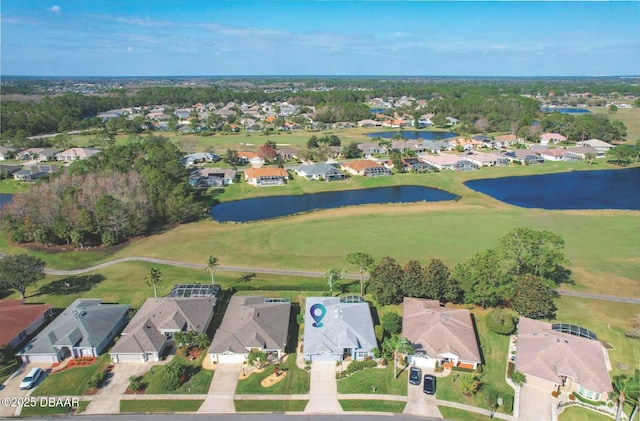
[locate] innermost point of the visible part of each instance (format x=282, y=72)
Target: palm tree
x=364, y=261
x=625, y=388
x=212, y=264
x=154, y=278
x=334, y=276
x=397, y=345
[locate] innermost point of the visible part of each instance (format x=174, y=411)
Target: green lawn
x=52, y=410
x=576, y=413
x=372, y=405
x=6, y=370
x=72, y=381
x=380, y=378
x=629, y=116
x=270, y=406
x=198, y=382
x=11, y=186
x=455, y=414
x=164, y=405
x=494, y=352
x=296, y=381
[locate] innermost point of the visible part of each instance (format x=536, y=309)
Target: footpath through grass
x=164, y=405
x=372, y=405
x=270, y=406
x=296, y=381
x=379, y=378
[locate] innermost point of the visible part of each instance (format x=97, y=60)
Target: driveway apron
x=535, y=404
x=420, y=404
x=323, y=396
x=107, y=400
x=223, y=389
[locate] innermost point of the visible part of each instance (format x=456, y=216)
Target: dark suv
x=429, y=385
x=415, y=375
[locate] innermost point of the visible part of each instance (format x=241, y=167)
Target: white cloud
x=54, y=9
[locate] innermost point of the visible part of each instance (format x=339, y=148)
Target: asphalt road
x=250, y=417
x=311, y=274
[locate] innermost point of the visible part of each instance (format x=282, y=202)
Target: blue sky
x=172, y=37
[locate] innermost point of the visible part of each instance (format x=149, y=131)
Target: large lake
x=276, y=206
x=415, y=135
x=603, y=189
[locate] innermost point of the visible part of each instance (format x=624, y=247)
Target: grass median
x=270, y=406
x=372, y=405
x=160, y=406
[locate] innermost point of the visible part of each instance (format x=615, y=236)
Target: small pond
x=601, y=189
x=565, y=110
x=415, y=135
x=277, y=206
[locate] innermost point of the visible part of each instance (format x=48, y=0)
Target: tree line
x=120, y=193
x=522, y=272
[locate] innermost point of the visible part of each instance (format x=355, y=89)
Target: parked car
x=429, y=385
x=31, y=379
x=415, y=375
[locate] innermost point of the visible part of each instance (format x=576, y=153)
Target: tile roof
x=439, y=330
x=266, y=172
x=16, y=317
x=361, y=164
x=250, y=322
x=548, y=354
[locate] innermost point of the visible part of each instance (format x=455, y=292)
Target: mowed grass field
x=629, y=116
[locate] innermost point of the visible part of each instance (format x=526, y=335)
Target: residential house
x=7, y=169
x=248, y=157
x=39, y=154
x=487, y=159
x=600, y=146
x=467, y=144
x=451, y=121
x=324, y=172
x=411, y=164
x=439, y=335
x=504, y=141
x=287, y=154
x=35, y=172
x=365, y=167
x=370, y=149
x=151, y=330
x=19, y=320
x=266, y=176
x=553, y=154
x=563, y=357
x=251, y=323
x=6, y=153
x=551, y=138
x=524, y=156
x=199, y=158
x=432, y=146
x=578, y=153
x=84, y=329
x=74, y=154
x=369, y=123
x=212, y=177
x=336, y=328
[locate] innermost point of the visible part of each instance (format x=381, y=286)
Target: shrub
x=501, y=321
x=171, y=373
x=360, y=365
x=572, y=397
x=135, y=383
x=376, y=353
x=555, y=394
x=391, y=323
x=462, y=369
x=97, y=379
x=479, y=369
x=518, y=378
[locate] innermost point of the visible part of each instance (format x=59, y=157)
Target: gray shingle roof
x=85, y=323
x=344, y=325
x=249, y=322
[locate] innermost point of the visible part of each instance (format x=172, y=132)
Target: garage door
x=325, y=357
x=38, y=358
x=231, y=358
x=127, y=358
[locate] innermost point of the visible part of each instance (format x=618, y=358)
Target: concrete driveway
x=222, y=390
x=420, y=404
x=323, y=394
x=107, y=400
x=535, y=404
x=11, y=387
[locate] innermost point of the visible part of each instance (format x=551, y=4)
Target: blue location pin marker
x=315, y=309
